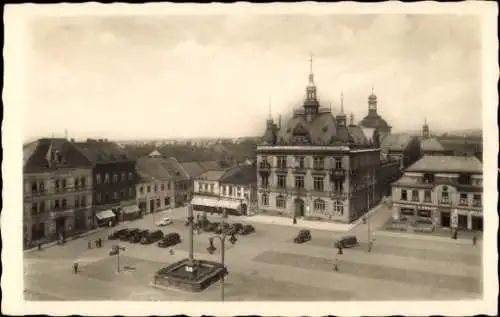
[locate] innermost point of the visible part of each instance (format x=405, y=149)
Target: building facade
x=181, y=180
x=430, y=145
x=233, y=190
x=114, y=179
x=316, y=166
x=155, y=188
x=57, y=191
x=404, y=148
x=444, y=190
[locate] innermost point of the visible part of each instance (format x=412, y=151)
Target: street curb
x=53, y=243
x=417, y=236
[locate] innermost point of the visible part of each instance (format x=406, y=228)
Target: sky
x=180, y=76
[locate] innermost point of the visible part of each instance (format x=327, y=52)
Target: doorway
x=445, y=219
x=61, y=225
x=152, y=206
x=477, y=223
x=299, y=207
x=462, y=222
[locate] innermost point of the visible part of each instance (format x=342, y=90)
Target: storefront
x=130, y=213
x=216, y=205
x=477, y=223
x=106, y=218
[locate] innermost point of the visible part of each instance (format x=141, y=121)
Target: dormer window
x=428, y=178
x=464, y=179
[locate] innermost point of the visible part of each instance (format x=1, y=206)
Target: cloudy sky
x=206, y=76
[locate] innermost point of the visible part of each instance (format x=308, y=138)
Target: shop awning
x=130, y=209
x=105, y=214
x=229, y=204
x=204, y=201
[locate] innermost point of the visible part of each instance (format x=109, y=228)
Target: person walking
x=474, y=240
x=100, y=242
x=39, y=247
x=75, y=267
x=340, y=250
x=336, y=265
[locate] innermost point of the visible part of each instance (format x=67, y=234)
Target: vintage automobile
x=210, y=227
x=246, y=229
x=152, y=237
x=169, y=240
x=235, y=228
x=302, y=236
x=347, y=242
x=220, y=228
x=116, y=234
x=164, y=222
x=127, y=233
x=137, y=236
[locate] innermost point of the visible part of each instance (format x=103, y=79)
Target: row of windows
x=235, y=191
x=38, y=208
x=444, y=199
x=154, y=187
x=60, y=184
x=116, y=178
x=206, y=188
x=122, y=194
x=318, y=183
x=299, y=162
x=318, y=204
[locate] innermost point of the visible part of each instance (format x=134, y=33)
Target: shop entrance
x=445, y=219
x=299, y=207
x=477, y=223
x=462, y=222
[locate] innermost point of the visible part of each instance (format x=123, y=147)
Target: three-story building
x=114, y=178
x=316, y=166
x=57, y=191
x=445, y=190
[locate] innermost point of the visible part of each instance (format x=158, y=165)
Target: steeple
x=311, y=103
x=341, y=117
x=269, y=121
x=372, y=103
x=425, y=129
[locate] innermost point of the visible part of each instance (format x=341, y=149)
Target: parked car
x=220, y=228
x=210, y=227
x=114, y=250
x=246, y=229
x=127, y=233
x=347, y=242
x=236, y=227
x=169, y=240
x=302, y=236
x=116, y=234
x=164, y=222
x=152, y=237
x=136, y=237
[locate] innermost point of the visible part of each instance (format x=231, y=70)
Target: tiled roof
x=212, y=175
x=210, y=165
x=357, y=134
x=241, y=175
x=102, y=151
x=152, y=167
x=431, y=144
x=175, y=169
x=396, y=142
x=450, y=164
x=36, y=155
x=194, y=169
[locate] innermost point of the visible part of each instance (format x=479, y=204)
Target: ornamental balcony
x=338, y=173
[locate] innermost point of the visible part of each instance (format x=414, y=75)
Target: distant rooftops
x=102, y=151
x=447, y=164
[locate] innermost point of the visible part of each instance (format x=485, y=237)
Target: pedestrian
x=171, y=251
x=89, y=245
x=39, y=247
x=340, y=250
x=336, y=265
x=100, y=242
x=75, y=267
x=96, y=243
x=474, y=240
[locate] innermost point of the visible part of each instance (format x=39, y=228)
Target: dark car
x=114, y=250
x=210, y=227
x=169, y=240
x=236, y=227
x=347, y=242
x=303, y=236
x=116, y=234
x=220, y=228
x=136, y=237
x=127, y=233
x=246, y=229
x=152, y=237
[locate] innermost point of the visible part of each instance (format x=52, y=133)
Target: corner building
x=316, y=166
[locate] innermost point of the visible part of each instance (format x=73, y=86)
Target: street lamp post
x=211, y=249
x=369, y=181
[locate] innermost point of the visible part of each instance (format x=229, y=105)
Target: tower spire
x=341, y=101
x=311, y=75
x=269, y=105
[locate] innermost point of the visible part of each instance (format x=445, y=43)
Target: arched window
x=281, y=202
x=338, y=208
x=445, y=197
x=265, y=199
x=319, y=205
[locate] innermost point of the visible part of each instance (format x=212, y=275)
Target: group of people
x=98, y=243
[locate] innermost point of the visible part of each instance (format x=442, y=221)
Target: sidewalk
x=427, y=237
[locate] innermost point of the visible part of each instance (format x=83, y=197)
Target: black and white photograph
x=270, y=159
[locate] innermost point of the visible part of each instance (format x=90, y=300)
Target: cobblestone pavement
x=265, y=265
